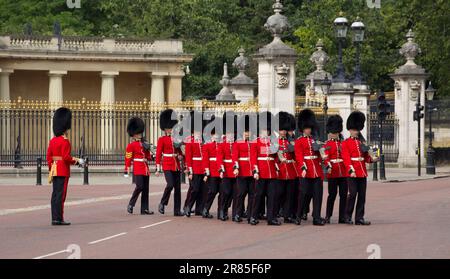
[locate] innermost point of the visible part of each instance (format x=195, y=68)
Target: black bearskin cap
x=335, y=124
x=166, y=121
x=62, y=121
x=356, y=121
x=307, y=119
x=293, y=122
x=265, y=121
x=284, y=121
x=135, y=126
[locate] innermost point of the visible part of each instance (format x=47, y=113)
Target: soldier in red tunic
x=262, y=158
x=194, y=165
x=242, y=169
x=212, y=170
x=355, y=155
x=138, y=154
x=336, y=174
x=288, y=170
x=168, y=155
x=225, y=161
x=308, y=160
x=59, y=160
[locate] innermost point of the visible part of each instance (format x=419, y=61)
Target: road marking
x=107, y=238
x=156, y=224
x=51, y=254
x=4, y=212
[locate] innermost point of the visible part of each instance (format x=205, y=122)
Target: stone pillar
x=341, y=98
x=361, y=103
x=242, y=86
x=174, y=88
x=409, y=85
x=5, y=95
x=158, y=93
x=108, y=98
x=55, y=92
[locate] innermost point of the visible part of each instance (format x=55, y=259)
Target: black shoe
x=253, y=222
x=305, y=217
x=206, y=215
x=187, y=212
x=289, y=220
x=298, y=221
x=274, y=222
x=245, y=215
x=319, y=222
x=342, y=221
x=178, y=214
x=327, y=220
x=147, y=212
x=161, y=208
x=60, y=223
x=262, y=217
x=362, y=222
x=130, y=209
x=348, y=222
x=237, y=219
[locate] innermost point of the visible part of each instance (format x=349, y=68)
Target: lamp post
x=341, y=28
x=431, y=168
x=358, y=29
x=325, y=85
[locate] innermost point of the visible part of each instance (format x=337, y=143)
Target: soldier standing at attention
x=59, y=160
x=138, y=152
x=168, y=157
x=356, y=154
x=337, y=176
x=309, y=166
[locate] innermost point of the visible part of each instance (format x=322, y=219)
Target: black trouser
x=142, y=186
x=226, y=195
x=270, y=188
x=173, y=182
x=333, y=185
x=59, y=197
x=307, y=204
x=315, y=187
x=213, y=188
x=287, y=198
x=357, y=190
x=245, y=186
x=197, y=190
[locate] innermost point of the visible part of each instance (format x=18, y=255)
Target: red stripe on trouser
x=63, y=200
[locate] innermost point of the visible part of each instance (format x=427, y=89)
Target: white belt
x=197, y=159
x=310, y=157
x=213, y=159
x=288, y=162
x=358, y=159
x=244, y=159
x=265, y=159
x=169, y=155
x=228, y=161
x=335, y=161
x=140, y=160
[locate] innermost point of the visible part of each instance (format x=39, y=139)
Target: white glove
x=81, y=162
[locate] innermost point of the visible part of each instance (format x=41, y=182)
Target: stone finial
x=410, y=49
x=241, y=63
x=225, y=94
x=277, y=24
x=319, y=57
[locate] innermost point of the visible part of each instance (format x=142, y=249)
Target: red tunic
x=167, y=154
x=194, y=156
x=139, y=157
x=354, y=159
x=58, y=152
x=261, y=160
x=288, y=169
x=307, y=159
x=225, y=159
x=333, y=148
x=210, y=151
x=241, y=157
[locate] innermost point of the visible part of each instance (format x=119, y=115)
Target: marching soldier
x=288, y=170
x=355, y=155
x=309, y=166
x=336, y=174
x=243, y=171
x=138, y=152
x=212, y=174
x=168, y=155
x=265, y=171
x=194, y=164
x=59, y=161
x=225, y=160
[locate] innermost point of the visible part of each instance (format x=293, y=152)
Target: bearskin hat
x=265, y=121
x=334, y=124
x=307, y=119
x=135, y=126
x=62, y=121
x=166, y=121
x=292, y=122
x=196, y=121
x=284, y=121
x=356, y=121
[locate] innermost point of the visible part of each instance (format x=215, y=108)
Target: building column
x=5, y=95
x=55, y=93
x=108, y=98
x=157, y=94
x=174, y=88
